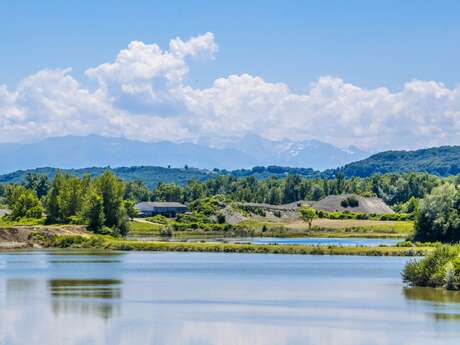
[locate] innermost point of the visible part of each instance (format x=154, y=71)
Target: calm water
x=317, y=241
x=369, y=242
x=203, y=299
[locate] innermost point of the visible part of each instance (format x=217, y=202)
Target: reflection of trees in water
x=20, y=289
x=449, y=301
x=434, y=295
x=85, y=296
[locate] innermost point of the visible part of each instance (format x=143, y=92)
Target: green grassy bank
x=258, y=228
x=110, y=243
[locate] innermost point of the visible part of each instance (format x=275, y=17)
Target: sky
x=374, y=74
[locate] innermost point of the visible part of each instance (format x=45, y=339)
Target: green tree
x=38, y=183
x=438, y=217
x=136, y=190
x=167, y=192
x=111, y=189
x=307, y=214
x=94, y=212
x=53, y=212
x=23, y=203
x=66, y=198
x=131, y=210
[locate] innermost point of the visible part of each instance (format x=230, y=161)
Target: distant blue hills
x=179, y=163
x=73, y=152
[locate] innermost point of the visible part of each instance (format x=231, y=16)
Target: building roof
x=149, y=205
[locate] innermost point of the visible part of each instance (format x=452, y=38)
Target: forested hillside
x=151, y=176
x=442, y=161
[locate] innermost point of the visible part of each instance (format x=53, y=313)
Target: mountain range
x=72, y=152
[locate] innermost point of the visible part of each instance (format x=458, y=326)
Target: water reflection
x=437, y=296
x=218, y=299
x=85, y=296
x=18, y=290
x=447, y=301
x=446, y=316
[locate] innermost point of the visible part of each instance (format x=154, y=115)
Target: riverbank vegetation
x=440, y=268
x=97, y=203
x=438, y=220
x=104, y=204
x=111, y=243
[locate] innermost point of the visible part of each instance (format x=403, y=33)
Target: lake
x=316, y=241
x=202, y=299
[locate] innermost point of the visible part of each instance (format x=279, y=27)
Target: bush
x=221, y=218
x=350, y=201
x=158, y=219
x=437, y=269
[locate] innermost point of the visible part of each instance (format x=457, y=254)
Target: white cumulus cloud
x=143, y=94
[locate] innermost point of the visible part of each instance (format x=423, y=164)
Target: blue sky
x=374, y=74
x=368, y=43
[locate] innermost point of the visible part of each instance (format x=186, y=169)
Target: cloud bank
x=144, y=95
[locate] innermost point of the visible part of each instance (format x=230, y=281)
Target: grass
x=141, y=228
x=331, y=228
x=22, y=222
x=110, y=243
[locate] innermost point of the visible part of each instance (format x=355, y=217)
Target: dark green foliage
x=37, y=183
x=208, y=206
x=438, y=217
x=66, y=198
x=98, y=203
x=136, y=190
x=273, y=185
x=149, y=175
x=439, y=268
x=168, y=192
x=94, y=212
x=131, y=210
x=442, y=161
x=111, y=189
x=23, y=203
x=220, y=218
x=350, y=201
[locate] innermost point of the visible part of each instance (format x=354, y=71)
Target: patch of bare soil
x=14, y=237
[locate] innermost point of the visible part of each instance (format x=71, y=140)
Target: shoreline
x=109, y=243
x=27, y=237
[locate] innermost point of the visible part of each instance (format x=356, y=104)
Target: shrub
x=221, y=218
x=350, y=201
x=158, y=219
x=435, y=270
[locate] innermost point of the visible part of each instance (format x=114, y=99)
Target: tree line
x=105, y=202
x=99, y=203
x=394, y=189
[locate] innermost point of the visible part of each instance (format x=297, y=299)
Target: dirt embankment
x=17, y=237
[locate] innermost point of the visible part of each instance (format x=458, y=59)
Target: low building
x=168, y=209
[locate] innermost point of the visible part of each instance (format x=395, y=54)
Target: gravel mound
x=332, y=203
